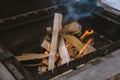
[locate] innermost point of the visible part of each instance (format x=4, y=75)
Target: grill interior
x=25, y=37
x=25, y=34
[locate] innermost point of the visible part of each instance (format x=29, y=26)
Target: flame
x=48, y=49
x=87, y=33
x=46, y=52
x=89, y=42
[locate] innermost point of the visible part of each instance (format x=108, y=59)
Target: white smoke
x=77, y=9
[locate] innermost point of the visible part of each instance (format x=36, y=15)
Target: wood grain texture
x=54, y=43
x=78, y=44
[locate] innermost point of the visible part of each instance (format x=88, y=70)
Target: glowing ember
x=89, y=42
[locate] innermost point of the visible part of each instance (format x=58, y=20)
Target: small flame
x=87, y=33
x=89, y=42
x=46, y=52
x=48, y=49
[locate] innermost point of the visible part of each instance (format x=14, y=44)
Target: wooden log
x=59, y=63
x=45, y=44
x=49, y=34
x=73, y=27
x=30, y=56
x=78, y=44
x=54, y=42
x=49, y=31
x=63, y=51
x=42, y=69
x=72, y=52
x=45, y=61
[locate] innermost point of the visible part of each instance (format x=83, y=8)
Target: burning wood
x=87, y=45
x=61, y=45
x=87, y=32
x=78, y=44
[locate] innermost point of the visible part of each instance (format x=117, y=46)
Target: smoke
x=77, y=9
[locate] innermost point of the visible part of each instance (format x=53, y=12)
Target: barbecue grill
x=25, y=32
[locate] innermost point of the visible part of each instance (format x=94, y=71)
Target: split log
x=49, y=33
x=54, y=43
x=78, y=44
x=44, y=69
x=73, y=27
x=59, y=63
x=63, y=51
x=45, y=44
x=72, y=52
x=39, y=69
x=45, y=61
x=30, y=56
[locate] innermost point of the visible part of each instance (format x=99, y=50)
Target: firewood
x=49, y=31
x=39, y=69
x=54, y=42
x=49, y=34
x=42, y=69
x=59, y=63
x=68, y=45
x=72, y=52
x=78, y=44
x=57, y=56
x=45, y=44
x=45, y=61
x=73, y=27
x=63, y=51
x=30, y=56
x=87, y=45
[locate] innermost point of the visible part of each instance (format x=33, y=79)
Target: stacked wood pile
x=61, y=45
